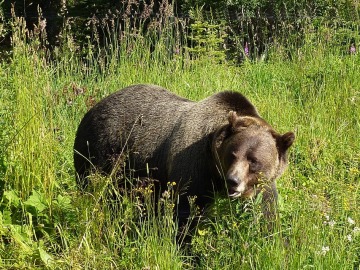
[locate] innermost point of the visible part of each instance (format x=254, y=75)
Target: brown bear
x=217, y=144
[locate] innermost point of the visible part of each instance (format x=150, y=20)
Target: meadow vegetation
x=47, y=223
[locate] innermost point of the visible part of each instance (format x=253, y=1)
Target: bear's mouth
x=248, y=193
x=232, y=193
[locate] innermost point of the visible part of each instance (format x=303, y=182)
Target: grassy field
x=46, y=223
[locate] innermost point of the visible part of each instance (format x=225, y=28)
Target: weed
x=45, y=222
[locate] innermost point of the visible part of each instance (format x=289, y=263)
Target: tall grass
x=46, y=223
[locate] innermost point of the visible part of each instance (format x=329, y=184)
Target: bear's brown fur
x=217, y=144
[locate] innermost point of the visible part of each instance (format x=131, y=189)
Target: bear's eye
x=231, y=158
x=254, y=165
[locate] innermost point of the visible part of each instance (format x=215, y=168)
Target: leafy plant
x=312, y=89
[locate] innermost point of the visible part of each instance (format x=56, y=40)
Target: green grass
x=45, y=222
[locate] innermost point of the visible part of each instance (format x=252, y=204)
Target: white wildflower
x=356, y=231
x=166, y=194
x=324, y=250
x=349, y=238
x=351, y=221
x=331, y=223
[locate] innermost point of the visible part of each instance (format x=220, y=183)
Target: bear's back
x=139, y=117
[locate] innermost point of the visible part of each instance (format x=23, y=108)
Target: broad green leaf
x=11, y=198
x=63, y=201
x=45, y=257
x=37, y=201
x=6, y=217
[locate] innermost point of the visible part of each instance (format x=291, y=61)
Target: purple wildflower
x=352, y=48
x=246, y=49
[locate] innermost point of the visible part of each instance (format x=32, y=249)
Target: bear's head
x=249, y=154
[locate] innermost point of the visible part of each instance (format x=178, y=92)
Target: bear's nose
x=232, y=181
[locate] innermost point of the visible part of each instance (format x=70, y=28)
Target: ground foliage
x=311, y=87
x=230, y=26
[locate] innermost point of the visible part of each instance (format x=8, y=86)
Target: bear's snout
x=232, y=183
x=235, y=186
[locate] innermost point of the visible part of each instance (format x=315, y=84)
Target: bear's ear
x=237, y=122
x=220, y=136
x=232, y=118
x=285, y=141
